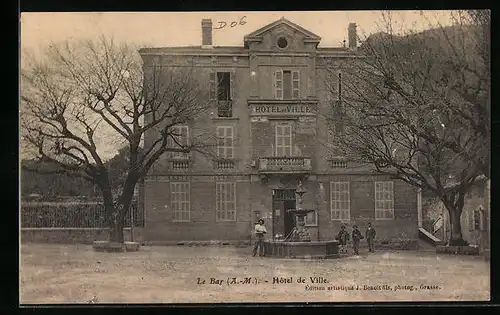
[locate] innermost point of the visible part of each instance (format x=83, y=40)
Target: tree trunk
x=455, y=225
x=114, y=216
x=123, y=207
x=454, y=203
x=117, y=226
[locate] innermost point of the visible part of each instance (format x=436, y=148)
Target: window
x=224, y=86
x=220, y=90
x=180, y=139
x=225, y=138
x=282, y=43
x=179, y=201
x=284, y=140
x=220, y=86
x=477, y=219
x=340, y=203
x=286, y=84
x=312, y=219
x=384, y=200
x=226, y=201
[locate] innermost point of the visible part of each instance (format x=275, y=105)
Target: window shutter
x=171, y=143
x=186, y=135
x=278, y=84
x=220, y=141
x=231, y=85
x=295, y=84
x=289, y=134
x=212, y=85
x=230, y=134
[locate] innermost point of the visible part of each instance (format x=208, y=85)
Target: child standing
x=342, y=237
x=356, y=237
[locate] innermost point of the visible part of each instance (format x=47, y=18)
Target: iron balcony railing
x=225, y=108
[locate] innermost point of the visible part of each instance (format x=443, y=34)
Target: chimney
x=206, y=33
x=352, y=36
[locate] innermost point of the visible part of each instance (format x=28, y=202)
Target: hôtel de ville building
x=267, y=97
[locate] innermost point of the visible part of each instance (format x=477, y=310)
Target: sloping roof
x=282, y=21
x=193, y=50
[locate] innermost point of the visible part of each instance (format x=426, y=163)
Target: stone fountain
x=300, y=232
x=298, y=243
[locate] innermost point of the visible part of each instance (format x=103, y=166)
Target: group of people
x=343, y=237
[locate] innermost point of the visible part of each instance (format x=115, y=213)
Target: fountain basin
x=302, y=250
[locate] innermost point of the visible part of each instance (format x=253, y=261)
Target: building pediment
x=281, y=27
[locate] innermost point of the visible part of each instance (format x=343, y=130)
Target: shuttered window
x=283, y=140
x=180, y=201
x=226, y=201
x=225, y=142
x=180, y=139
x=286, y=84
x=340, y=201
x=384, y=200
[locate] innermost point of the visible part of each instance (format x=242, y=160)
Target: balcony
x=225, y=108
x=180, y=164
x=283, y=165
x=224, y=164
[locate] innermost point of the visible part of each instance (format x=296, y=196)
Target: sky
x=164, y=29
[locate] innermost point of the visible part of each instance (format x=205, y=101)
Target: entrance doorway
x=283, y=222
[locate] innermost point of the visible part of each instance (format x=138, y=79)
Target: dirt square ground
x=156, y=274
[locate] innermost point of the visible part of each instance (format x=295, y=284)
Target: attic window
x=282, y=43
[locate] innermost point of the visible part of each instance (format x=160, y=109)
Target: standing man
x=259, y=230
x=370, y=236
x=356, y=236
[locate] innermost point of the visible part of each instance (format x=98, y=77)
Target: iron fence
x=72, y=215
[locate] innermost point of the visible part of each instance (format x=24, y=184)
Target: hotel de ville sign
x=261, y=109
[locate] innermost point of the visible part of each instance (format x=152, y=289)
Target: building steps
x=426, y=236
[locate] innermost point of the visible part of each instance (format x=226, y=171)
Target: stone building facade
x=269, y=104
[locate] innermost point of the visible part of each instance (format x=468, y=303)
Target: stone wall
x=73, y=235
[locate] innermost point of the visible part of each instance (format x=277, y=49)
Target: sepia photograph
x=254, y=157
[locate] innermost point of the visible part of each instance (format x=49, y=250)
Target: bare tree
x=417, y=108
x=83, y=97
